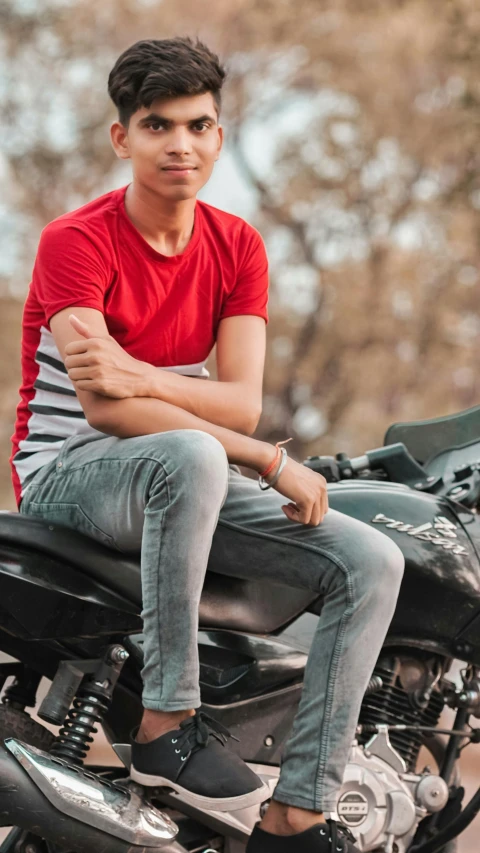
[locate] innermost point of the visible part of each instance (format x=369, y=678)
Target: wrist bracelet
x=277, y=456
x=262, y=483
x=272, y=464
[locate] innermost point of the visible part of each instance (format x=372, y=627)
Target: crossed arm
x=125, y=397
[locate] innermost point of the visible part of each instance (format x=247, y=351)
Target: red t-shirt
x=162, y=310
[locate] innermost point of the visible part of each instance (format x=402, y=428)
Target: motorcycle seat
x=258, y=606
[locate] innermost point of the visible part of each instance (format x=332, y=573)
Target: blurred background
x=352, y=144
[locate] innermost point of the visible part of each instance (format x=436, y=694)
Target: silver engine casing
x=380, y=802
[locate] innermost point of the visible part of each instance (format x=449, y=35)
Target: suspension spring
x=88, y=709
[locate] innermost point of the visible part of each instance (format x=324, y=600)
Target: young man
x=117, y=437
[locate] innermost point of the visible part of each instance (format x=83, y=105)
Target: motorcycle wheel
x=19, y=724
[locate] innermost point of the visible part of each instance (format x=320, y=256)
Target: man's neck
x=166, y=225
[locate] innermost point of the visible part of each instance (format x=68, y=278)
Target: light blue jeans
x=174, y=496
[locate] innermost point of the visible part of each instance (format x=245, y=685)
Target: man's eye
x=201, y=126
x=155, y=125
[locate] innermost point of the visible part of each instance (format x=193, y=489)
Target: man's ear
x=119, y=139
x=220, y=140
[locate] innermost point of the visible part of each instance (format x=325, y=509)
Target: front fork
x=432, y=836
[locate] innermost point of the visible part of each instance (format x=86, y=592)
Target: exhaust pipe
x=75, y=809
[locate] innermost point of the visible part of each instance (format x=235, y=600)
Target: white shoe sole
x=253, y=798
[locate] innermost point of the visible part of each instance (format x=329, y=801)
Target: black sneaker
x=195, y=764
x=329, y=837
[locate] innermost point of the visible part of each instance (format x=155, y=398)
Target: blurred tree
x=370, y=207
x=357, y=127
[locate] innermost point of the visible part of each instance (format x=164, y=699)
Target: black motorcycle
x=70, y=611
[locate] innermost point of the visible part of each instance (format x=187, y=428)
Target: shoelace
x=337, y=829
x=197, y=732
x=338, y=833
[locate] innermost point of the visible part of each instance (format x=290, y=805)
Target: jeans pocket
x=66, y=459
x=70, y=515
x=45, y=476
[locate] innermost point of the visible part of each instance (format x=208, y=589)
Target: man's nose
x=179, y=142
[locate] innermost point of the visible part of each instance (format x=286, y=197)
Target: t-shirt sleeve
x=250, y=292
x=70, y=269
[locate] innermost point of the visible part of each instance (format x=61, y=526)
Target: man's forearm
x=223, y=403
x=98, y=363
x=143, y=416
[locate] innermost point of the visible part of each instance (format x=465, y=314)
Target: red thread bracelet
x=272, y=464
x=277, y=456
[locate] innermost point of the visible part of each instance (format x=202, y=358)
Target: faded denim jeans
x=174, y=496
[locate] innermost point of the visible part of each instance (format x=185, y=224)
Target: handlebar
x=394, y=459
x=395, y=463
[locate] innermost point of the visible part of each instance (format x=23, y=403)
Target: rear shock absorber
x=74, y=738
x=91, y=703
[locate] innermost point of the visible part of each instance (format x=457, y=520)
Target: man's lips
x=184, y=169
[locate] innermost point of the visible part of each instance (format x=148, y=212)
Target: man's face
x=173, y=144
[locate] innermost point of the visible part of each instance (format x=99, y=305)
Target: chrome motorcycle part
x=432, y=793
x=441, y=531
x=380, y=802
x=374, y=802
x=380, y=746
x=375, y=683
x=118, y=654
x=92, y=800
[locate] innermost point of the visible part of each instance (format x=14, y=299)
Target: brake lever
x=325, y=465
x=339, y=468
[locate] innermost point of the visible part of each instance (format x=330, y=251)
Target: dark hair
x=163, y=69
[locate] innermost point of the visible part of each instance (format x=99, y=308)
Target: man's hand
x=306, y=490
x=99, y=364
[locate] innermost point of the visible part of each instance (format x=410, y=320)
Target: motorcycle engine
x=383, y=799
x=380, y=801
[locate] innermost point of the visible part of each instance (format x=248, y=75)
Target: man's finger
x=77, y=347
x=315, y=517
x=78, y=358
x=82, y=328
x=76, y=373
x=325, y=502
x=290, y=511
x=305, y=512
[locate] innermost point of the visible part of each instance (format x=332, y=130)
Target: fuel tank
x=439, y=602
